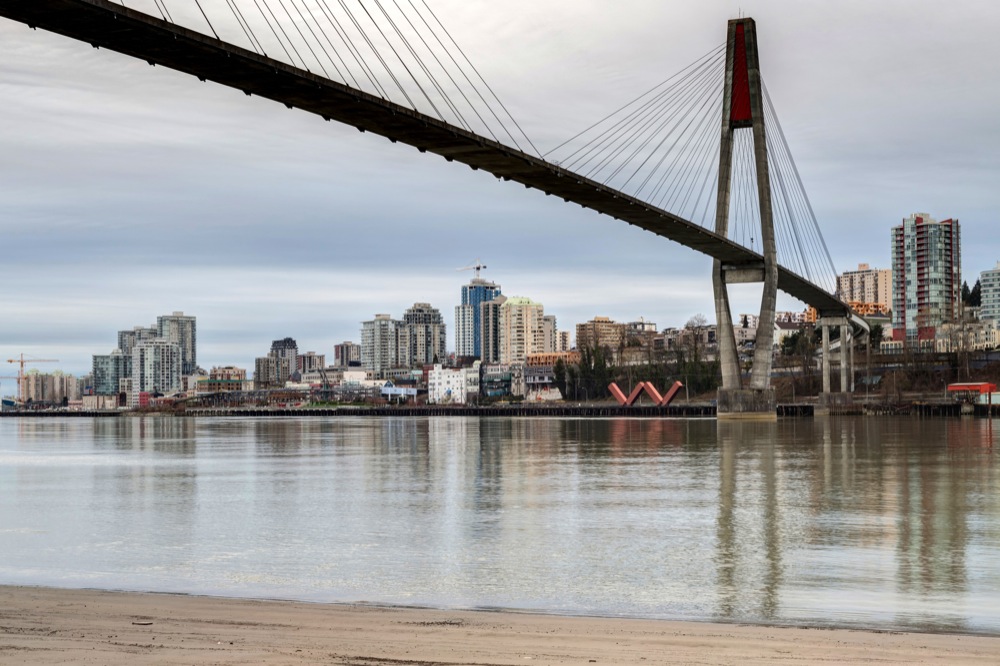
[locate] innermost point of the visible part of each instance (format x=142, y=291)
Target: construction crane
x=20, y=373
x=478, y=266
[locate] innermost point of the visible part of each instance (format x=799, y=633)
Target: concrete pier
x=747, y=404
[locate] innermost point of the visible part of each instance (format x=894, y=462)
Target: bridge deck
x=133, y=33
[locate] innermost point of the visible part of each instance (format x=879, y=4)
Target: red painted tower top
x=740, y=114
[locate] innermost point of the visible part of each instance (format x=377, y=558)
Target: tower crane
x=478, y=266
x=20, y=373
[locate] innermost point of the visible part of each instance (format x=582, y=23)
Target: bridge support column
x=844, y=388
x=743, y=109
x=825, y=352
x=841, y=400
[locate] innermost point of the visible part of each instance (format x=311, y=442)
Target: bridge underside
x=105, y=25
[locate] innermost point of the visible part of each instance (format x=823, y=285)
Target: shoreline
x=42, y=625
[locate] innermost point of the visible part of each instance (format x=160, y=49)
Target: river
x=854, y=521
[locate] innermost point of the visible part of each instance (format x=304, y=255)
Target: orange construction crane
x=20, y=373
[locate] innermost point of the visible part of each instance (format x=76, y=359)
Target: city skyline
x=140, y=191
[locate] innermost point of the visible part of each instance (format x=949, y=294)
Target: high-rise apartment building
x=423, y=337
x=156, y=368
x=182, y=330
x=468, y=316
x=866, y=285
x=346, y=353
x=521, y=329
x=127, y=340
x=601, y=332
x=489, y=329
x=107, y=372
x=926, y=276
x=380, y=343
x=550, y=334
x=309, y=362
x=286, y=349
x=563, y=343
x=50, y=387
x=989, y=287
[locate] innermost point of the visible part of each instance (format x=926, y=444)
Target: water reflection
x=826, y=521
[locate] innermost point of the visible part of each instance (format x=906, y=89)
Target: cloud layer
x=128, y=191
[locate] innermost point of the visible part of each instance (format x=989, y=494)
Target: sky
x=127, y=192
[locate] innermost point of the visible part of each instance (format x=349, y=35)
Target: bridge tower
x=743, y=110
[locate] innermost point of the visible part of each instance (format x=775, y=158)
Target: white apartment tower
x=380, y=343
x=156, y=368
x=521, y=329
x=989, y=286
x=866, y=285
x=182, y=330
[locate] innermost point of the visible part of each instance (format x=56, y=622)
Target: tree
x=877, y=333
x=790, y=343
x=559, y=375
x=966, y=293
x=976, y=295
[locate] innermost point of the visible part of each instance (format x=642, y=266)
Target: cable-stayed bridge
x=374, y=64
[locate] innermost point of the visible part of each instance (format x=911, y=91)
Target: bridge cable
x=166, y=11
x=447, y=52
x=480, y=76
x=426, y=70
x=159, y=7
x=447, y=73
x=198, y=2
x=787, y=206
x=746, y=174
x=702, y=152
x=703, y=94
x=702, y=139
x=273, y=31
x=336, y=52
x=374, y=50
x=401, y=62
x=241, y=20
x=705, y=121
x=341, y=33
x=622, y=108
x=444, y=69
x=291, y=42
x=291, y=59
x=308, y=13
x=822, y=249
x=305, y=41
x=818, y=243
x=632, y=126
x=659, y=104
x=319, y=42
x=700, y=94
x=444, y=47
x=643, y=121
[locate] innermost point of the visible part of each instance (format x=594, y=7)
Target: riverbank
x=45, y=626
x=559, y=410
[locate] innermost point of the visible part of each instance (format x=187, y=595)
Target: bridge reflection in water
x=845, y=521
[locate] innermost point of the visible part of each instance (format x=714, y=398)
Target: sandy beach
x=48, y=626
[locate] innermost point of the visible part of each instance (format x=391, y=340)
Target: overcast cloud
x=127, y=192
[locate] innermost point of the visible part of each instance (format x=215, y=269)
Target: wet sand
x=47, y=626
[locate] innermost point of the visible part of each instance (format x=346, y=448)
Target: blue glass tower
x=468, y=317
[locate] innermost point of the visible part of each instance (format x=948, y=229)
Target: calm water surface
x=846, y=522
